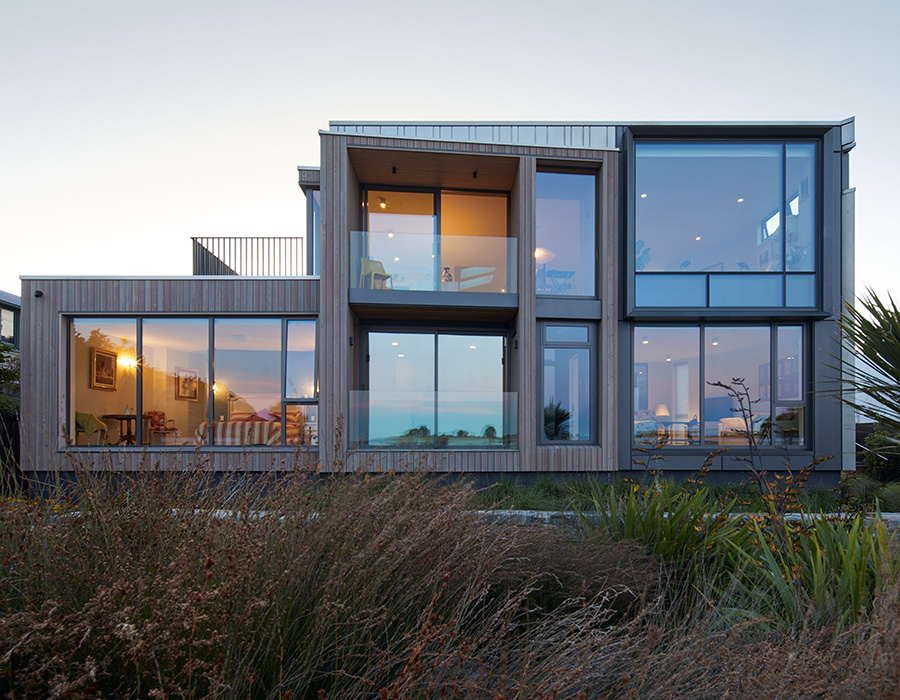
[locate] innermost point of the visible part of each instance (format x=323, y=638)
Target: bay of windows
x=678, y=373
x=725, y=224
x=192, y=381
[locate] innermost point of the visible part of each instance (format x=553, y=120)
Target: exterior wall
x=340, y=215
x=528, y=147
x=828, y=422
x=43, y=379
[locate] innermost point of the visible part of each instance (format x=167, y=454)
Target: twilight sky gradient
x=127, y=128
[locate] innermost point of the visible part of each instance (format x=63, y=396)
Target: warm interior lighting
x=668, y=358
x=382, y=203
x=542, y=255
x=645, y=341
x=697, y=238
x=644, y=195
x=127, y=362
x=662, y=411
x=215, y=388
x=740, y=199
x=396, y=259
x=390, y=235
x=715, y=341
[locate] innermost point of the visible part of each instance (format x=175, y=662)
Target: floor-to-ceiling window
x=689, y=383
x=442, y=390
x=162, y=381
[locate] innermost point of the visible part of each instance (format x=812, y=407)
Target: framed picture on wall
x=187, y=384
x=103, y=369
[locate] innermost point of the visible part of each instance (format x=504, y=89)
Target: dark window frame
x=210, y=319
x=639, y=313
x=593, y=346
x=577, y=170
x=703, y=326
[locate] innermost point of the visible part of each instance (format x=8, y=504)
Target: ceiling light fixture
x=644, y=196
x=382, y=203
x=645, y=341
x=740, y=199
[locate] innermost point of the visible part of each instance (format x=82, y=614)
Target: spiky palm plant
x=870, y=370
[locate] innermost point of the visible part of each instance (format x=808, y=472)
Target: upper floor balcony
x=385, y=260
x=250, y=256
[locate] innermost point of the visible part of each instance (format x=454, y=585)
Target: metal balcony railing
x=269, y=256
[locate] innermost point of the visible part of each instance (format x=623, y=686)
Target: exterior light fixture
x=382, y=203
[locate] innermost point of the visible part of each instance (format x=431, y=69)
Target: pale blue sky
x=127, y=128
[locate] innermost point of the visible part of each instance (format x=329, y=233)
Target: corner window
x=725, y=225
x=192, y=382
x=568, y=393
x=677, y=399
x=565, y=256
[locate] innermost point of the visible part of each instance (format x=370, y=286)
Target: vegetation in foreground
x=172, y=586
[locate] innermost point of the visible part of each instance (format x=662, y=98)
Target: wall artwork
x=187, y=384
x=103, y=369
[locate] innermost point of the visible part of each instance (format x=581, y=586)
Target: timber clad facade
x=478, y=298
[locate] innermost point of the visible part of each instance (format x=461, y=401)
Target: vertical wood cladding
x=44, y=356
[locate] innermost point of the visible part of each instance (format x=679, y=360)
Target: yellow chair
x=88, y=424
x=373, y=271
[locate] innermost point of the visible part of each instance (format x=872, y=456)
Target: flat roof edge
x=154, y=278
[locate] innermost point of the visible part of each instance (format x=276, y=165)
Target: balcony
x=250, y=256
x=428, y=420
x=389, y=261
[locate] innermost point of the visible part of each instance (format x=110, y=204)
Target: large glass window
x=449, y=241
x=565, y=257
x=724, y=224
x=678, y=373
x=103, y=385
x=435, y=390
x=256, y=384
x=567, y=396
x=175, y=379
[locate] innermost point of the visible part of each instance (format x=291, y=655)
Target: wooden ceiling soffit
x=402, y=168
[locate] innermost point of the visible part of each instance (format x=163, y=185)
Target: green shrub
x=883, y=460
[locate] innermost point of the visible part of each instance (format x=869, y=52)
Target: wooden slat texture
x=43, y=406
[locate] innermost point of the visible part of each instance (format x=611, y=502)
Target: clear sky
x=129, y=127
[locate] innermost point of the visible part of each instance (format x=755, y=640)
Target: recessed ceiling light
x=396, y=259
x=645, y=341
x=740, y=199
x=715, y=341
x=390, y=235
x=382, y=203
x=644, y=196
x=401, y=355
x=473, y=347
x=668, y=358
x=697, y=238
x=395, y=343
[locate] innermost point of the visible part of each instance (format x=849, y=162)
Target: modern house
x=479, y=298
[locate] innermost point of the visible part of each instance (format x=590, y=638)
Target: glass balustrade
x=445, y=420
x=386, y=260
